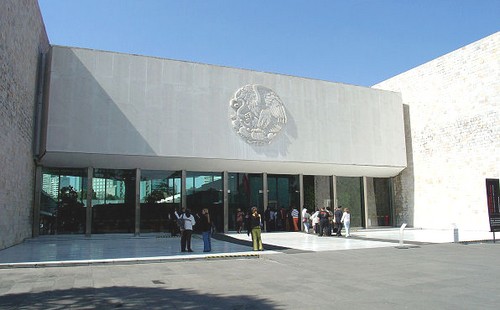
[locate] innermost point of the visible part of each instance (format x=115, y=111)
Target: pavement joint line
x=137, y=260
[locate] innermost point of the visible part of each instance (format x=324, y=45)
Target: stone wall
x=22, y=39
x=452, y=110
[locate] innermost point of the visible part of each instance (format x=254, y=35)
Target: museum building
x=151, y=135
x=106, y=142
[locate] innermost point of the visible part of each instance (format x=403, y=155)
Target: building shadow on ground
x=124, y=297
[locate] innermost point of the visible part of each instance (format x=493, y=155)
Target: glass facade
x=62, y=205
x=204, y=190
x=115, y=202
x=350, y=195
x=160, y=196
x=283, y=195
x=378, y=196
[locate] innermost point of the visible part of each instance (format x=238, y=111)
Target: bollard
x=401, y=237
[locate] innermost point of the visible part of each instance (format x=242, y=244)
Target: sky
x=359, y=42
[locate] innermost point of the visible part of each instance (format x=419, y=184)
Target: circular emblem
x=257, y=114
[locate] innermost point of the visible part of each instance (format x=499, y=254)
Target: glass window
x=113, y=201
x=204, y=190
x=283, y=194
x=378, y=202
x=245, y=191
x=63, y=208
x=350, y=195
x=160, y=196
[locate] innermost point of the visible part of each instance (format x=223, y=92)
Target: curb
x=126, y=261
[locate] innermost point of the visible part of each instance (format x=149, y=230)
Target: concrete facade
x=22, y=40
x=452, y=113
x=126, y=111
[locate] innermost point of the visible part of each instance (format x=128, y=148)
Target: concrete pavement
x=430, y=276
x=296, y=271
x=63, y=250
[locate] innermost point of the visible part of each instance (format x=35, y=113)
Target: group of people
x=323, y=222
x=327, y=222
x=186, y=221
x=275, y=219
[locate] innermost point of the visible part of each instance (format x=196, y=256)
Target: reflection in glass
x=62, y=208
x=378, y=202
x=204, y=190
x=350, y=195
x=283, y=195
x=245, y=191
x=113, y=201
x=160, y=196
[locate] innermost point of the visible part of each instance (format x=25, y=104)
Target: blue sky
x=360, y=42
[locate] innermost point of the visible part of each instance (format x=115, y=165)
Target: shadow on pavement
x=124, y=297
x=227, y=238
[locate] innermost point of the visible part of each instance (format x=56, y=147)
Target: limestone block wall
x=452, y=110
x=22, y=39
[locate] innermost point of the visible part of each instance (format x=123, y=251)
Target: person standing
x=254, y=228
x=324, y=218
x=331, y=220
x=338, y=220
x=267, y=218
x=206, y=230
x=295, y=218
x=306, y=220
x=188, y=223
x=346, y=220
x=315, y=221
x=240, y=215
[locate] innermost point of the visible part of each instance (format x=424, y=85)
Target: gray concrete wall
x=151, y=108
x=453, y=130
x=22, y=38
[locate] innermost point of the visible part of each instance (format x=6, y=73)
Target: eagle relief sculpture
x=257, y=114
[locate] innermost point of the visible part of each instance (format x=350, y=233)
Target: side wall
x=22, y=39
x=452, y=111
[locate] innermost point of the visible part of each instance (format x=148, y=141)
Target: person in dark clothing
x=338, y=222
x=240, y=216
x=324, y=218
x=254, y=222
x=206, y=230
x=267, y=218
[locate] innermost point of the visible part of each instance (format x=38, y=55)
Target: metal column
x=183, y=190
x=225, y=191
x=301, y=199
x=36, y=202
x=88, y=214
x=137, y=230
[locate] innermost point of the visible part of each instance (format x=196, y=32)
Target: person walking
x=338, y=220
x=187, y=230
x=346, y=220
x=306, y=220
x=206, y=230
x=254, y=222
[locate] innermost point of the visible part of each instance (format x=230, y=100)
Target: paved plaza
x=296, y=271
